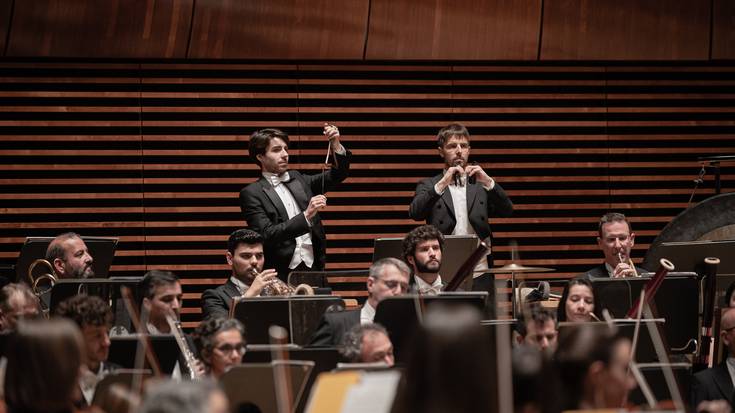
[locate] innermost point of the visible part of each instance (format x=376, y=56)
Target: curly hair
x=85, y=310
x=351, y=348
x=207, y=329
x=420, y=234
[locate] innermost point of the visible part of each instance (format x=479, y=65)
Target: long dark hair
x=561, y=311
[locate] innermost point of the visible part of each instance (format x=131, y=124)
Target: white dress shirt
x=367, y=313
x=731, y=368
x=425, y=288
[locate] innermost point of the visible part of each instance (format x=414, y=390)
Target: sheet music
x=373, y=394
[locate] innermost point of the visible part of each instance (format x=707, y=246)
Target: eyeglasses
x=229, y=348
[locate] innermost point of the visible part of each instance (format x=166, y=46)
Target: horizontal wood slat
x=156, y=153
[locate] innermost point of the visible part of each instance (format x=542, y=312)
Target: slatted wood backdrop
x=156, y=153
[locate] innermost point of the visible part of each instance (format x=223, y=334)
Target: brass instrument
x=35, y=281
x=629, y=262
x=276, y=287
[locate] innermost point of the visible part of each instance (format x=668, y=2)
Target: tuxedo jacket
x=438, y=210
x=265, y=213
x=601, y=272
x=712, y=384
x=333, y=326
x=216, y=302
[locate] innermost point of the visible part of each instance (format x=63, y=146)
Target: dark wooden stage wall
x=156, y=153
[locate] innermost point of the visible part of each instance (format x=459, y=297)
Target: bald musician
x=69, y=256
x=716, y=383
x=422, y=250
x=615, y=238
x=460, y=199
x=283, y=205
x=387, y=277
x=247, y=279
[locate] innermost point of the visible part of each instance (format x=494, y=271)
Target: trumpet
x=35, y=281
x=629, y=262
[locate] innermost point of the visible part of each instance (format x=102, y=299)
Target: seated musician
x=44, y=361
x=201, y=396
x=577, y=303
x=69, y=256
x=387, y=277
x=729, y=298
x=17, y=302
x=367, y=343
x=616, y=239
x=94, y=318
x=422, y=250
x=245, y=257
x=716, y=383
x=221, y=344
x=537, y=328
x=592, y=363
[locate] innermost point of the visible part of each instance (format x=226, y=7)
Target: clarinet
x=189, y=358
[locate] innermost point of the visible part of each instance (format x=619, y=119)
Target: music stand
x=260, y=389
x=106, y=288
x=102, y=250
x=677, y=299
x=399, y=314
x=298, y=314
x=456, y=250
x=164, y=346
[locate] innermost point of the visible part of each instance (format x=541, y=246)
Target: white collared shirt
x=425, y=288
x=304, y=251
x=367, y=313
x=241, y=286
x=610, y=270
x=88, y=383
x=731, y=368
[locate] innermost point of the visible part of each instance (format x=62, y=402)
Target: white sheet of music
x=373, y=394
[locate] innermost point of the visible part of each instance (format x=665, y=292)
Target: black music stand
x=676, y=301
x=299, y=315
x=101, y=249
x=457, y=248
x=123, y=349
x=254, y=384
x=398, y=314
x=106, y=288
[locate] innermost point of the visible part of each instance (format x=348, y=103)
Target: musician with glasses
x=387, y=277
x=247, y=279
x=283, y=205
x=615, y=238
x=221, y=344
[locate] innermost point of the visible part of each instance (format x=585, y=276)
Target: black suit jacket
x=216, y=302
x=712, y=384
x=265, y=213
x=438, y=210
x=601, y=272
x=333, y=326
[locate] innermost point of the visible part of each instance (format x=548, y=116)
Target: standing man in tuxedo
x=283, y=205
x=460, y=199
x=245, y=256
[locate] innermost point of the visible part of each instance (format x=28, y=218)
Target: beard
x=83, y=272
x=431, y=266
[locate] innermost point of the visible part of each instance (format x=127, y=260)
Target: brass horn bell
x=35, y=281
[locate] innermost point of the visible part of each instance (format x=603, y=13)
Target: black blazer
x=265, y=213
x=712, y=384
x=601, y=272
x=216, y=302
x=333, y=326
x=438, y=210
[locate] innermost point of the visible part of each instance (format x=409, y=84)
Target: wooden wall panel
x=452, y=29
x=114, y=28
x=283, y=29
x=625, y=30
x=156, y=154
x=723, y=30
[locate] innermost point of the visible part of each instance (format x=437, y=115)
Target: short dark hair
x=728, y=294
x=612, y=217
x=243, y=236
x=86, y=310
x=535, y=313
x=561, y=310
x=260, y=140
x=351, y=348
x=154, y=279
x=420, y=234
x=453, y=129
x=207, y=329
x=55, y=249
